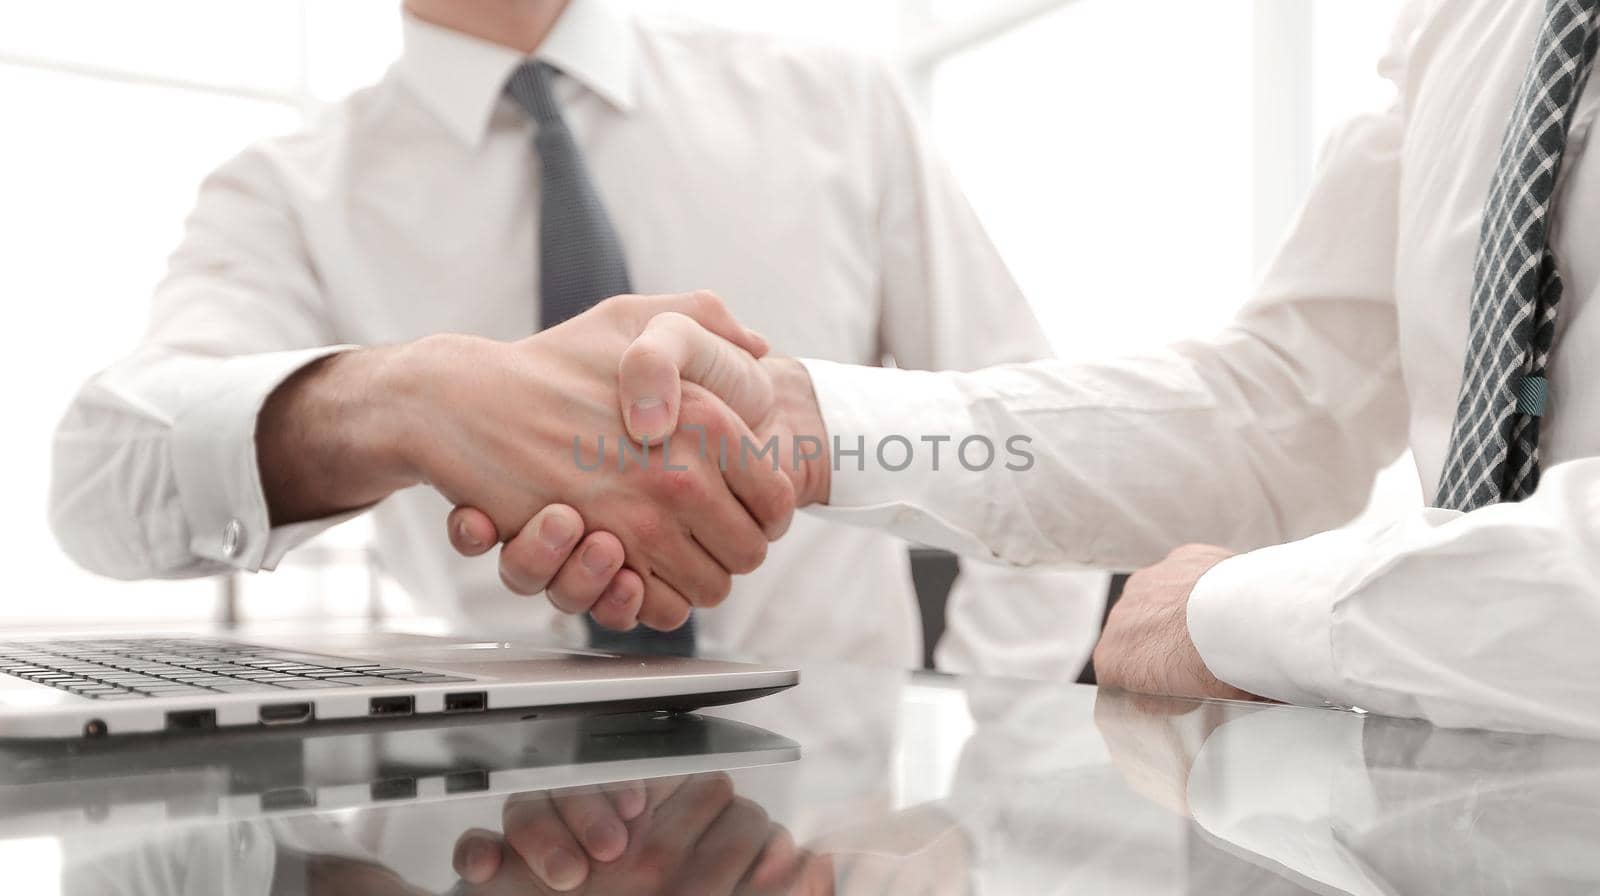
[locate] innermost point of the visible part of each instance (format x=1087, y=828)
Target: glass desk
x=858, y=781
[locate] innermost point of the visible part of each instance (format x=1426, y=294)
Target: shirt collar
x=460, y=78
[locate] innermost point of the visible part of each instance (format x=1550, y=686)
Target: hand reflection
x=693, y=835
x=1153, y=741
x=557, y=835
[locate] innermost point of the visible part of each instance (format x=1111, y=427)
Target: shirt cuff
x=1263, y=621
x=893, y=432
x=214, y=462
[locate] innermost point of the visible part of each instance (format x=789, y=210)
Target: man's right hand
x=492, y=425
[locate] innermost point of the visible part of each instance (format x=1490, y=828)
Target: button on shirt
x=1271, y=431
x=790, y=180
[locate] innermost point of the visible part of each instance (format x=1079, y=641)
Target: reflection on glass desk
x=858, y=781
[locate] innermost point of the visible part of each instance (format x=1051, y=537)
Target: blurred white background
x=1135, y=163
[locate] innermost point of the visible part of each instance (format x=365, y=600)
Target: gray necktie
x=581, y=262
x=1494, y=449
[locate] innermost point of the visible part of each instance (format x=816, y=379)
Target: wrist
x=321, y=440
x=401, y=393
x=796, y=401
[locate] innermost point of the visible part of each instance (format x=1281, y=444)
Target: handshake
x=629, y=461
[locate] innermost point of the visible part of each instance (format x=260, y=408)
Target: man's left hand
x=1146, y=646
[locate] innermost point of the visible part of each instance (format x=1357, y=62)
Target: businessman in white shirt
x=793, y=181
x=1436, y=293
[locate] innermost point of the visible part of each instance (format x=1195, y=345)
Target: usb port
x=285, y=713
x=466, y=701
x=390, y=706
x=288, y=798
x=394, y=789
x=192, y=720
x=466, y=782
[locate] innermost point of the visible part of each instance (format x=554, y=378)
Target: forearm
x=331, y=438
x=1111, y=464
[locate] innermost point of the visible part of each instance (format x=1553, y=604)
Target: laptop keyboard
x=188, y=667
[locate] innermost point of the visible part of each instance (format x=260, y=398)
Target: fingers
x=541, y=837
x=664, y=608
x=707, y=309
x=586, y=574
x=681, y=820
x=779, y=860
x=734, y=536
x=754, y=474
x=593, y=819
x=477, y=856
x=674, y=348
x=729, y=849
x=629, y=798
x=620, y=602
x=533, y=558
x=471, y=531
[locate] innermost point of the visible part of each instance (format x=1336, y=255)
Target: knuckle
x=625, y=303
x=648, y=525
x=750, y=814
x=695, y=408
x=776, y=502
x=681, y=486
x=719, y=788
x=707, y=302
x=749, y=554
x=714, y=590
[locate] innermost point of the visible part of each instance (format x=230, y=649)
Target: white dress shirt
x=793, y=181
x=1273, y=429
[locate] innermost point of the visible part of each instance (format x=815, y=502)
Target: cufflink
x=232, y=539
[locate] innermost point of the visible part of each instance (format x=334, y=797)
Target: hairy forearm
x=330, y=439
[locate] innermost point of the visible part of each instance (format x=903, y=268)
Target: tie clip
x=1532, y=394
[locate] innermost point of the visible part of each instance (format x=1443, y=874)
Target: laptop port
x=288, y=798
x=285, y=713
x=467, y=701
x=394, y=789
x=466, y=782
x=192, y=720
x=390, y=706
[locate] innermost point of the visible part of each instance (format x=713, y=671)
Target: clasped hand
x=597, y=523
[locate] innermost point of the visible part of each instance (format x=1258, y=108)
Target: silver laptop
x=96, y=686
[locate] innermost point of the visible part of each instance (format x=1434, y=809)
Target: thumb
x=674, y=348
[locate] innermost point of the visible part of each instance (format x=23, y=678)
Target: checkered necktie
x=1494, y=450
x=581, y=262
